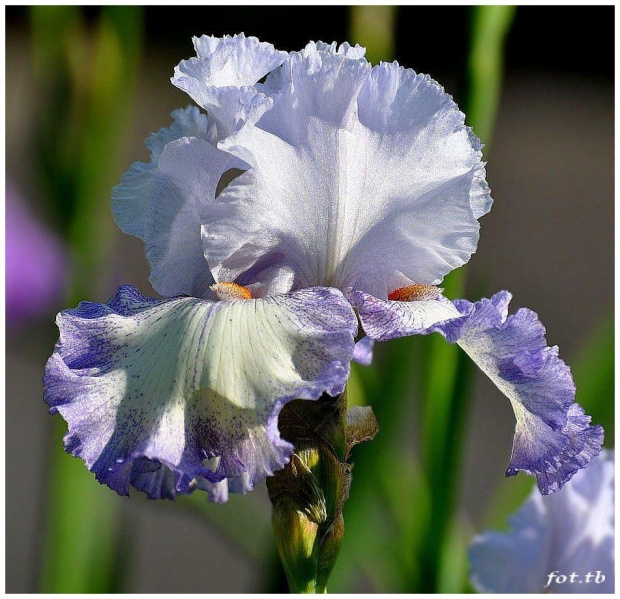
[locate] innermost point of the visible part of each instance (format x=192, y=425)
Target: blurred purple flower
x=35, y=263
x=558, y=544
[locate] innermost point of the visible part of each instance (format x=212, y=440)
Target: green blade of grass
x=593, y=371
x=82, y=534
x=373, y=28
x=490, y=26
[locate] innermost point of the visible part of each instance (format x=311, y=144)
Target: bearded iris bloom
x=318, y=202
x=559, y=544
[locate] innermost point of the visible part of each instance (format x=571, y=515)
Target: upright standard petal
x=184, y=393
x=553, y=437
x=222, y=76
x=161, y=202
x=360, y=177
x=553, y=538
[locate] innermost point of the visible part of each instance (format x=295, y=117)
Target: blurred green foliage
x=87, y=73
x=373, y=28
x=593, y=370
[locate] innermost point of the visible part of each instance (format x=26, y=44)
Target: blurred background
x=85, y=87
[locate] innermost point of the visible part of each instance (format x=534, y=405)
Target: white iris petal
x=362, y=178
x=146, y=384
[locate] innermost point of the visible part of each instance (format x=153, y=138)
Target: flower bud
x=309, y=493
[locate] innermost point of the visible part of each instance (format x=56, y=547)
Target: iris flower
x=552, y=539
x=315, y=203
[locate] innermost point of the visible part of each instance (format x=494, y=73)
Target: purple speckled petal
x=161, y=202
x=553, y=437
x=184, y=393
x=383, y=320
x=221, y=79
x=571, y=531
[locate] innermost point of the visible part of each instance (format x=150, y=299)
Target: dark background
x=568, y=40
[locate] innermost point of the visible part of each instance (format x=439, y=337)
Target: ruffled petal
x=221, y=79
x=345, y=49
x=233, y=61
x=317, y=83
x=553, y=437
x=130, y=198
x=389, y=177
x=568, y=532
x=185, y=393
x=161, y=203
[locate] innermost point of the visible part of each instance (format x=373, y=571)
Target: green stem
x=308, y=494
x=373, y=27
x=449, y=370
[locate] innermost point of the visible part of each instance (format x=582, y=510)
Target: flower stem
x=308, y=494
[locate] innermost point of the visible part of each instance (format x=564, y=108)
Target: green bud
x=309, y=493
x=295, y=536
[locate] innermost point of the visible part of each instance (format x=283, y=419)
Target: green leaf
x=373, y=27
x=490, y=26
x=82, y=537
x=593, y=371
x=449, y=370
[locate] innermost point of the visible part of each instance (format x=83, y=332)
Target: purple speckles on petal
x=553, y=437
x=383, y=320
x=174, y=395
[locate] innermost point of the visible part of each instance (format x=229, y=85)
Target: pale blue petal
x=184, y=393
x=345, y=49
x=389, y=179
x=161, y=203
x=313, y=84
x=130, y=198
x=553, y=437
x=571, y=532
x=516, y=562
x=363, y=351
x=221, y=79
x=233, y=61
x=186, y=181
